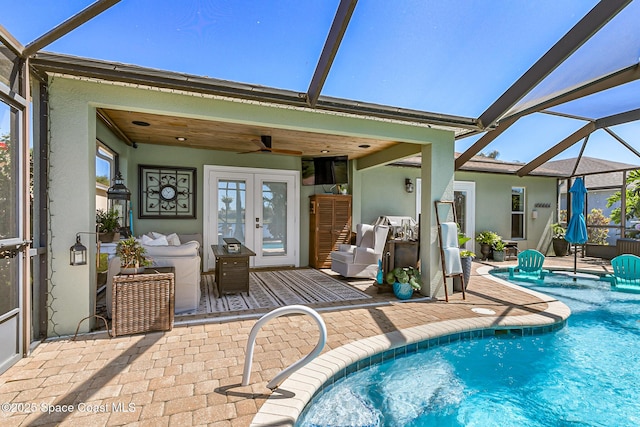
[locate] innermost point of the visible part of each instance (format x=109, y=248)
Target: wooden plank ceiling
x=240, y=138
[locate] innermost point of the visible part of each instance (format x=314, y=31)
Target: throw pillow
x=157, y=235
x=173, y=239
x=161, y=241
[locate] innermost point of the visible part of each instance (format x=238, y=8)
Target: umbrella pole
x=575, y=261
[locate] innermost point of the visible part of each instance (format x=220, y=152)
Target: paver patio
x=191, y=375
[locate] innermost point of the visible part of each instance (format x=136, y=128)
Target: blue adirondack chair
x=626, y=271
x=529, y=266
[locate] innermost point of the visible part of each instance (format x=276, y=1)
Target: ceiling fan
x=265, y=147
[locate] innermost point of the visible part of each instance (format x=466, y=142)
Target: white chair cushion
x=367, y=235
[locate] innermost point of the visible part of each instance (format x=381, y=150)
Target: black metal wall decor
x=167, y=192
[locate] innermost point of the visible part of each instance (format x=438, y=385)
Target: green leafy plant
x=597, y=235
x=498, y=245
x=462, y=239
x=487, y=237
x=558, y=231
x=131, y=254
x=632, y=199
x=107, y=221
x=409, y=275
x=465, y=254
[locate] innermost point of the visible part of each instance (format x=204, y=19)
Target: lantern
x=78, y=253
x=118, y=199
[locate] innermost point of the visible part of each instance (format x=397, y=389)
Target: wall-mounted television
x=325, y=170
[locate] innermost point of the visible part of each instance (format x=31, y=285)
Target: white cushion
x=367, y=236
x=161, y=241
x=173, y=239
x=189, y=249
x=157, y=235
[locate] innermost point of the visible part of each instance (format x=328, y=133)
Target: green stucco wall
x=73, y=133
x=493, y=206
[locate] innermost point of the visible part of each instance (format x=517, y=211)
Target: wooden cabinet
x=330, y=226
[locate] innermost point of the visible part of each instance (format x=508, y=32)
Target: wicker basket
x=143, y=302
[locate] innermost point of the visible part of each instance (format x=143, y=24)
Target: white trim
x=470, y=224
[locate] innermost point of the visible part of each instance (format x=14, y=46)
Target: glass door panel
x=274, y=224
x=274, y=219
x=10, y=265
x=232, y=204
x=464, y=199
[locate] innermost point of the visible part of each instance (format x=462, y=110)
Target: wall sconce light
x=534, y=214
x=78, y=252
x=408, y=185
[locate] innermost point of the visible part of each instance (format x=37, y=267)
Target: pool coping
x=302, y=385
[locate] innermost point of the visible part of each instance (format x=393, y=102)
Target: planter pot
x=109, y=237
x=485, y=250
x=131, y=270
x=402, y=290
x=467, y=262
x=601, y=251
x=498, y=256
x=560, y=247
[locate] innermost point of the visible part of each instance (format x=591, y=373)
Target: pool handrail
x=290, y=309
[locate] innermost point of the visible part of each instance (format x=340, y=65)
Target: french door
x=464, y=199
x=258, y=207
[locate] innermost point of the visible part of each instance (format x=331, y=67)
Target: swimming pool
x=585, y=374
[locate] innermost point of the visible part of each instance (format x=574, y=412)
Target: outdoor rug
x=271, y=289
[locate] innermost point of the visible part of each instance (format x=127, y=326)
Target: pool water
x=586, y=374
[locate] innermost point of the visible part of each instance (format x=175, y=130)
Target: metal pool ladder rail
x=290, y=309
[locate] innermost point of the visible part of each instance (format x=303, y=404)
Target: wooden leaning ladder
x=444, y=267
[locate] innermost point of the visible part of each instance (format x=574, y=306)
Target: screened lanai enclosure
x=535, y=81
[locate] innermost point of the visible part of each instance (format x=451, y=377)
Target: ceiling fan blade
x=264, y=142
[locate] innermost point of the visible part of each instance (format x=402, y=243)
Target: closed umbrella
x=577, y=228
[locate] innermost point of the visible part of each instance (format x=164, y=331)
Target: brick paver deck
x=191, y=375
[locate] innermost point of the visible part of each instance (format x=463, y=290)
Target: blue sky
x=453, y=57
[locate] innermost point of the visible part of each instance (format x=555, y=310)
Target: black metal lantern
x=118, y=199
x=78, y=253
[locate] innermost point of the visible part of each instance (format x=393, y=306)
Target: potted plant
x=405, y=280
x=486, y=240
x=132, y=258
x=560, y=245
x=107, y=225
x=498, y=250
x=466, y=259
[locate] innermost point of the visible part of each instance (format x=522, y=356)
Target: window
x=517, y=212
x=106, y=166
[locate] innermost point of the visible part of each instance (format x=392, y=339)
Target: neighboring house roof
x=485, y=164
x=590, y=166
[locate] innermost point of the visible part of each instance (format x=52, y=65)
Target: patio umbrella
x=577, y=228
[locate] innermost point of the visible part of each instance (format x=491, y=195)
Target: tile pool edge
x=341, y=361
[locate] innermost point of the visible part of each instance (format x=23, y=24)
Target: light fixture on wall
x=118, y=196
x=408, y=185
x=78, y=252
